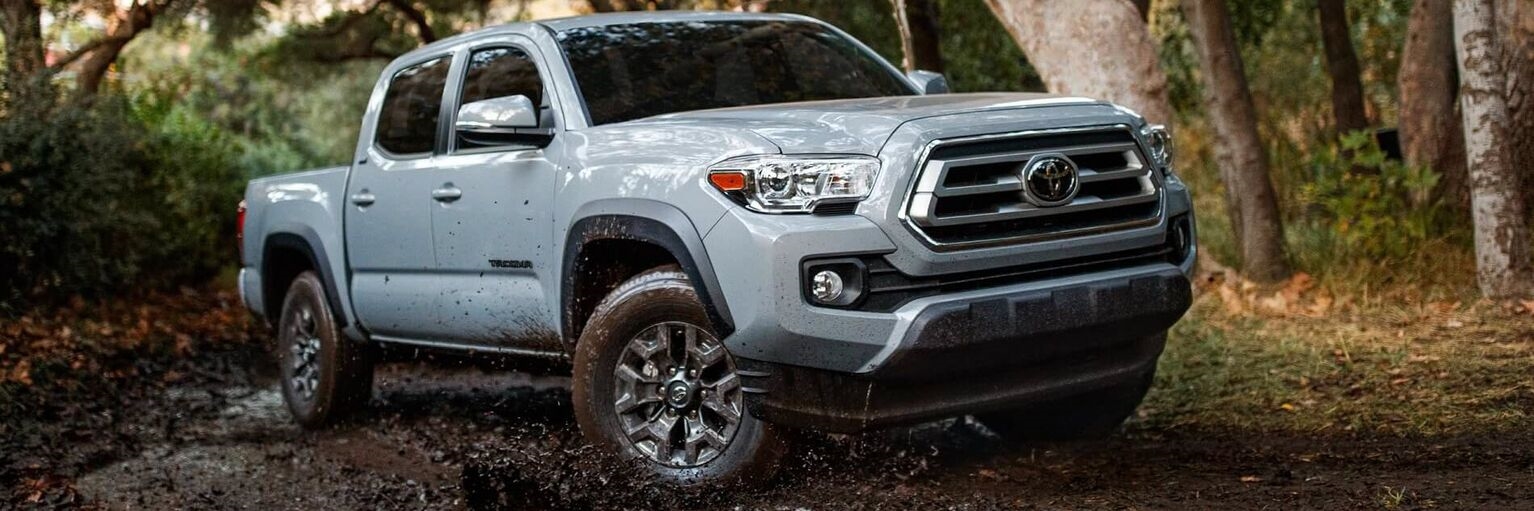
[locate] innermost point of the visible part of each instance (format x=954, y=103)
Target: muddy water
x=443, y=438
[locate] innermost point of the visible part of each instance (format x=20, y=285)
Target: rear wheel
x=1093, y=415
x=652, y=382
x=325, y=376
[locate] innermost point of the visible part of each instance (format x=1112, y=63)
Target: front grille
x=970, y=192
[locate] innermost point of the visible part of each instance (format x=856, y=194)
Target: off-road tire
x=660, y=295
x=1089, y=416
x=343, y=368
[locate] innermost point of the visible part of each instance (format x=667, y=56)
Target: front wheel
x=652, y=382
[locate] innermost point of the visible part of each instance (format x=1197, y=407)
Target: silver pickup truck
x=726, y=225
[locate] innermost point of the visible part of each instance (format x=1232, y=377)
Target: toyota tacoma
x=727, y=226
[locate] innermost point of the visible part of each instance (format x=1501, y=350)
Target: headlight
x=1159, y=142
x=794, y=184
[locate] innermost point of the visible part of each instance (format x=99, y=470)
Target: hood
x=851, y=126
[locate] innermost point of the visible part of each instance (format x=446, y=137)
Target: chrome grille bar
x=970, y=190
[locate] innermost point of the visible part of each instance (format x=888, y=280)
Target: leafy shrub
x=108, y=196
x=1363, y=207
x=195, y=169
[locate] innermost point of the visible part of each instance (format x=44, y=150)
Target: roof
x=627, y=18
x=601, y=20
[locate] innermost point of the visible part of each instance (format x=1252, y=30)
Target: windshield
x=638, y=70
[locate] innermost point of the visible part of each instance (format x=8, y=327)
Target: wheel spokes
x=719, y=403
x=676, y=394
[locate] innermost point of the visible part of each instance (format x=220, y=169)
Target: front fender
x=647, y=221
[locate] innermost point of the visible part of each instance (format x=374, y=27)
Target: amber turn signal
x=728, y=181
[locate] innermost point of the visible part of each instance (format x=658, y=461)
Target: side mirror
x=497, y=115
x=928, y=82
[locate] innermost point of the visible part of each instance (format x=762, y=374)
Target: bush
x=109, y=196
x=1365, y=209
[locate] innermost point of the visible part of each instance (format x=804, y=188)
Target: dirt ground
x=439, y=437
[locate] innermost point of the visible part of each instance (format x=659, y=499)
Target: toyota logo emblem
x=1049, y=180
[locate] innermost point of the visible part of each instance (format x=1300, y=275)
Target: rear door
x=491, y=219
x=388, y=217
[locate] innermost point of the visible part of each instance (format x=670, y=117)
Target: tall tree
x=1243, y=161
x=1431, y=133
x=123, y=25
x=918, y=23
x=25, y=43
x=1342, y=66
x=1515, y=23
x=21, y=20
x=1096, y=48
x=1496, y=204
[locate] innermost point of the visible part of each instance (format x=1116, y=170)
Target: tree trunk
x=93, y=69
x=1515, y=22
x=21, y=20
x=1431, y=132
x=1501, y=231
x=1242, y=159
x=918, y=24
x=128, y=25
x=1144, y=8
x=1342, y=66
x=1095, y=48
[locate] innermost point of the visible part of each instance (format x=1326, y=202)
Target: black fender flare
x=304, y=240
x=650, y=222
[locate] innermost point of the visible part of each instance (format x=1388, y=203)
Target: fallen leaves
x=21, y=373
x=1521, y=307
x=79, y=336
x=1297, y=296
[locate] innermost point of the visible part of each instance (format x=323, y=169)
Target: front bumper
x=1026, y=340
x=999, y=349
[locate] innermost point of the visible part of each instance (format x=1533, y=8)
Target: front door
x=491, y=216
x=388, y=206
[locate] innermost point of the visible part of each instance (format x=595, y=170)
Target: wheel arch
x=622, y=229
x=284, y=256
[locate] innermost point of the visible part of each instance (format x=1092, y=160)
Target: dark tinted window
x=495, y=73
x=408, y=122
x=631, y=71
x=500, y=72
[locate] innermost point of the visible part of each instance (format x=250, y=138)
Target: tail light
x=239, y=230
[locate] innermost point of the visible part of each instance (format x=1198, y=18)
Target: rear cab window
x=412, y=108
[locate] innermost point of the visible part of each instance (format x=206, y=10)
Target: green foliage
x=978, y=54
x=195, y=171
x=1366, y=207
x=72, y=190
x=279, y=121
x=108, y=197
x=1177, y=56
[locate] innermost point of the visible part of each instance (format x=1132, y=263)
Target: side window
x=408, y=122
x=499, y=72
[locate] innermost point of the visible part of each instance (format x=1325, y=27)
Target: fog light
x=826, y=286
x=1181, y=239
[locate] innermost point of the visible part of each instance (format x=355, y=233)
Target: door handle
x=448, y=193
x=363, y=198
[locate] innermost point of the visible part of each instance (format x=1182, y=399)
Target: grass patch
x=1402, y=369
